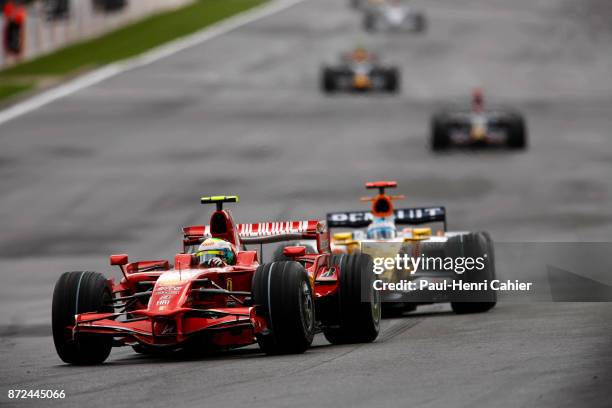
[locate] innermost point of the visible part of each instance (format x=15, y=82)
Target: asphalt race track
x=120, y=166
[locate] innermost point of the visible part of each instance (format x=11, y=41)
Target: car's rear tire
x=392, y=80
x=357, y=321
x=328, y=80
x=517, y=134
x=76, y=293
x=440, y=138
x=283, y=295
x=477, y=245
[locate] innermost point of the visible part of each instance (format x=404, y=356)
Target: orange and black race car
x=478, y=126
x=360, y=70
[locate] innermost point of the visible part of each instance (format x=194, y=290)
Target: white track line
x=147, y=58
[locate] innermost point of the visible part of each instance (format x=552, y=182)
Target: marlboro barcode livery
x=265, y=229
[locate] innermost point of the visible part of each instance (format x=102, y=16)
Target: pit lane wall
x=45, y=32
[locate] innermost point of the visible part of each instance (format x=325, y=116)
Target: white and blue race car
x=392, y=16
x=385, y=232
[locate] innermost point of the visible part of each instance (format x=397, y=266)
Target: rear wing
x=267, y=233
x=403, y=216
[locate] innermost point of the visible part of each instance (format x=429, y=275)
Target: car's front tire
x=440, y=138
x=517, y=133
x=76, y=293
x=358, y=304
x=283, y=295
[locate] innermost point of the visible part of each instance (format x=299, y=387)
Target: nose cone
x=361, y=81
x=479, y=132
x=167, y=297
x=170, y=291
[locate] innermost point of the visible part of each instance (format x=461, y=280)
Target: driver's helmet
x=477, y=99
x=383, y=229
x=360, y=54
x=216, y=248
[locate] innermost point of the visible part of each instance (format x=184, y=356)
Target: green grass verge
x=9, y=90
x=123, y=43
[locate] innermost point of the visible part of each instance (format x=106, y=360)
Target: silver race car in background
x=361, y=71
x=477, y=126
x=392, y=16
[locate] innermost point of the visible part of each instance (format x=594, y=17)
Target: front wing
x=176, y=327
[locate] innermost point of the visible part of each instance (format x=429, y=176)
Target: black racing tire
x=328, y=80
x=440, y=138
x=278, y=255
x=283, y=295
x=517, y=132
x=392, y=80
x=420, y=23
x=369, y=22
x=477, y=245
x=357, y=321
x=76, y=293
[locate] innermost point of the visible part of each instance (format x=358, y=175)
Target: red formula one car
x=280, y=305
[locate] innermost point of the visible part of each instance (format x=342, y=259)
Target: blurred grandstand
x=34, y=27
